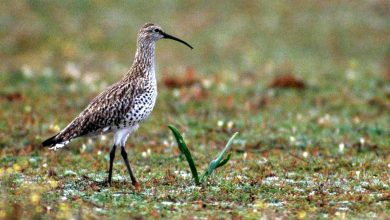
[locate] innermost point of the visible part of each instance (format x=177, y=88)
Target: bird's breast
x=142, y=104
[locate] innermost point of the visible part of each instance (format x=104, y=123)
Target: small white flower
x=326, y=119
x=72, y=70
x=357, y=173
x=356, y=120
x=262, y=160
x=207, y=83
x=350, y=74
x=245, y=155
x=220, y=123
x=362, y=141
x=27, y=71
x=44, y=165
x=90, y=78
x=341, y=147
x=230, y=125
x=83, y=147
x=305, y=154
x=176, y=93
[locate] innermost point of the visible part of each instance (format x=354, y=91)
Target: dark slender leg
x=112, y=156
x=124, y=155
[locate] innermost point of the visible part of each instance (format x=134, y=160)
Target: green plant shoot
x=183, y=148
x=219, y=161
x=214, y=164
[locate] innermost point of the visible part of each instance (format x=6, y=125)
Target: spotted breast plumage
x=122, y=106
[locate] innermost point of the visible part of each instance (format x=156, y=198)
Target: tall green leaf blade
x=183, y=148
x=224, y=161
x=218, y=162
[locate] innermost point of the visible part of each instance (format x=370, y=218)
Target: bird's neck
x=143, y=65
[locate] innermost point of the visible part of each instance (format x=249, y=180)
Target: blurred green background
x=306, y=83
x=238, y=36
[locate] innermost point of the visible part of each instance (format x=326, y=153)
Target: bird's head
x=152, y=32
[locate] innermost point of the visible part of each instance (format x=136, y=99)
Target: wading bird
x=122, y=106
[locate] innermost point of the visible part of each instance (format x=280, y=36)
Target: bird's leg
x=124, y=155
x=112, y=156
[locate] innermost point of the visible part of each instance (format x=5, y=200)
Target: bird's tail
x=50, y=141
x=55, y=142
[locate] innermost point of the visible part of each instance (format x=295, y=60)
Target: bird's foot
x=107, y=183
x=137, y=186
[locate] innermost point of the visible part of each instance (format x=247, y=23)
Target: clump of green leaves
x=214, y=164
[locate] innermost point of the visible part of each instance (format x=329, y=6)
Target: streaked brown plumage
x=122, y=106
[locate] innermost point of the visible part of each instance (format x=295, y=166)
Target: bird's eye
x=156, y=30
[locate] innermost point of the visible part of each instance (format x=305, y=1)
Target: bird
x=120, y=108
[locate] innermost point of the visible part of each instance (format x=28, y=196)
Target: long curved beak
x=167, y=36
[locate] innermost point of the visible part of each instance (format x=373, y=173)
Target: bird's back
x=123, y=104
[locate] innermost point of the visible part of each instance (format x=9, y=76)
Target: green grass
x=318, y=152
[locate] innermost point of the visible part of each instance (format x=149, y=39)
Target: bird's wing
x=107, y=109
